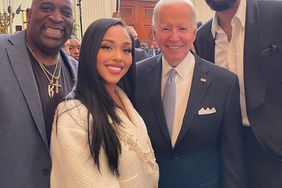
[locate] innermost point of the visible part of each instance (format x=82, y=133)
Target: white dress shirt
x=183, y=82
x=230, y=54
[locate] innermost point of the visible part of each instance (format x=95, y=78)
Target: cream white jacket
x=72, y=164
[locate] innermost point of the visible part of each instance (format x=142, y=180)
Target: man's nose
x=76, y=50
x=56, y=16
x=174, y=35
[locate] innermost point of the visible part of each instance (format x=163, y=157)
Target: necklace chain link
x=53, y=78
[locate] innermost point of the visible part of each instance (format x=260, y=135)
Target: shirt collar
x=181, y=68
x=240, y=15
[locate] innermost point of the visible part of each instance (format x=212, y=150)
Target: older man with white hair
x=190, y=106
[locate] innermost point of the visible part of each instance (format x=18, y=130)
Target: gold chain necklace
x=53, y=78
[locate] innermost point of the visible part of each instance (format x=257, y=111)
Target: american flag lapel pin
x=203, y=80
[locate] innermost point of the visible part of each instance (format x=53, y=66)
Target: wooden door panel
x=128, y=14
x=138, y=13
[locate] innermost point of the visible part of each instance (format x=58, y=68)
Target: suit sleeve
x=72, y=164
x=231, y=142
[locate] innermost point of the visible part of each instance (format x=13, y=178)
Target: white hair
x=172, y=2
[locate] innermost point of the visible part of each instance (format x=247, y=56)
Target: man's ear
x=195, y=33
x=154, y=33
x=28, y=15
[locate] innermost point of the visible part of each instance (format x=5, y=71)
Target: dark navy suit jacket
x=208, y=150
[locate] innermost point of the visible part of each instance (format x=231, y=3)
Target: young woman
x=98, y=139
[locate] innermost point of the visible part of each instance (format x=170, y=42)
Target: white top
x=230, y=55
x=183, y=81
x=72, y=164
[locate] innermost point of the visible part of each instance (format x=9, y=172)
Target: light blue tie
x=169, y=97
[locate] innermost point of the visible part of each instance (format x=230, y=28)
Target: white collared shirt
x=230, y=54
x=183, y=80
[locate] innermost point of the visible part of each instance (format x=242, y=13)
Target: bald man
x=35, y=76
x=140, y=54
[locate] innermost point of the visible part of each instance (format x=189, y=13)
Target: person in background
x=154, y=49
x=135, y=36
x=74, y=47
x=140, y=54
x=199, y=24
x=143, y=45
x=66, y=47
x=116, y=14
x=245, y=37
x=35, y=75
x=98, y=138
x=190, y=107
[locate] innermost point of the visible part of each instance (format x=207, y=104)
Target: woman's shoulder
x=71, y=106
x=72, y=111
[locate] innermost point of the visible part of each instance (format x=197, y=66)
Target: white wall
x=91, y=9
x=203, y=11
x=94, y=9
x=15, y=4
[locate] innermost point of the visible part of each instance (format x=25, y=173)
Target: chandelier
x=6, y=19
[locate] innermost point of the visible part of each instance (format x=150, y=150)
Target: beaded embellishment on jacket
x=143, y=148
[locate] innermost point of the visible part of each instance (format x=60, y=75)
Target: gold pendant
x=53, y=86
x=51, y=90
x=57, y=85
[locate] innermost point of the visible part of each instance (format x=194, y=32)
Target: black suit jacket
x=208, y=150
x=262, y=69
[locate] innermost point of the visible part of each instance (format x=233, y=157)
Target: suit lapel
x=21, y=65
x=253, y=71
x=200, y=84
x=73, y=66
x=154, y=81
x=205, y=49
x=210, y=45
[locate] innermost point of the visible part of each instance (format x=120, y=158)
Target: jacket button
x=45, y=171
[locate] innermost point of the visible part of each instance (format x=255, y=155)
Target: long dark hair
x=91, y=92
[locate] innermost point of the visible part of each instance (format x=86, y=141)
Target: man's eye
x=67, y=13
x=46, y=8
x=165, y=29
x=183, y=29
